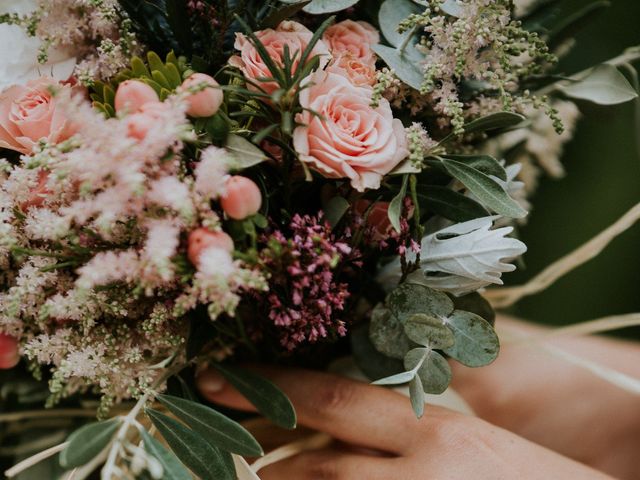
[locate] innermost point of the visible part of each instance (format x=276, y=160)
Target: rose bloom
x=352, y=37
x=292, y=34
x=29, y=113
x=361, y=74
x=350, y=138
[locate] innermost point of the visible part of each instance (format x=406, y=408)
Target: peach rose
x=361, y=74
x=349, y=138
x=355, y=38
x=29, y=113
x=292, y=34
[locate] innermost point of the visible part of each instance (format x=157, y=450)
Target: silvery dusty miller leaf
x=468, y=256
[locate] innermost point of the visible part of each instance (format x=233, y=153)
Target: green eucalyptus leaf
x=428, y=331
x=450, y=204
x=373, y=364
x=476, y=343
x=397, y=379
x=489, y=192
x=387, y=333
x=318, y=7
x=408, y=299
x=335, y=209
x=171, y=465
x=391, y=13
x=433, y=369
x=494, y=121
x=475, y=303
x=268, y=399
x=416, y=394
x=395, y=207
x=205, y=460
x=244, y=153
x=219, y=430
x=483, y=163
x=87, y=442
x=604, y=85
x=406, y=64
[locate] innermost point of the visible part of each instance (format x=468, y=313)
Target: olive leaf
x=220, y=431
x=87, y=442
x=171, y=465
x=604, y=85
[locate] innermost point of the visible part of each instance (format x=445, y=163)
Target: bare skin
x=560, y=406
x=379, y=438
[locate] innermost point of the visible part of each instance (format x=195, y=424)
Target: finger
x=328, y=464
x=350, y=411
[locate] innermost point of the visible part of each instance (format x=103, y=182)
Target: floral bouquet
x=192, y=184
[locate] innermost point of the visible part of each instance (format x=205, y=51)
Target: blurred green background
x=602, y=183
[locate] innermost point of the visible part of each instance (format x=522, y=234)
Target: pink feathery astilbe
x=305, y=300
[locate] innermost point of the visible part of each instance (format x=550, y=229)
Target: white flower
x=467, y=256
x=19, y=52
x=216, y=262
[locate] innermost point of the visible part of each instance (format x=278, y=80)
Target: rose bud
x=202, y=238
x=132, y=95
x=38, y=194
x=139, y=124
x=206, y=102
x=241, y=199
x=9, y=352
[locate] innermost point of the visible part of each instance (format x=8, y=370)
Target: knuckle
x=334, y=397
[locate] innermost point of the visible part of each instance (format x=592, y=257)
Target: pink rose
x=292, y=34
x=361, y=74
x=354, y=38
x=349, y=138
x=29, y=113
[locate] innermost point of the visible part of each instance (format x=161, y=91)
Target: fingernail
x=210, y=381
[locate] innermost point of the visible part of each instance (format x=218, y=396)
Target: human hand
x=559, y=405
x=380, y=438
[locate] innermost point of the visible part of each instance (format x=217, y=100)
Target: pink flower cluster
x=305, y=298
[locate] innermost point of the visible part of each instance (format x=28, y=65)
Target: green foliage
x=317, y=7
x=604, y=85
x=449, y=204
x=395, y=207
x=268, y=399
x=218, y=429
x=414, y=324
x=163, y=76
x=405, y=63
x=244, y=153
x=87, y=442
x=489, y=192
x=391, y=14
x=202, y=458
x=476, y=343
x=171, y=466
x=335, y=209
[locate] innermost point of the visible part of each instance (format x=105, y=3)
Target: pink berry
x=241, y=199
x=202, y=238
x=206, y=102
x=132, y=95
x=9, y=352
